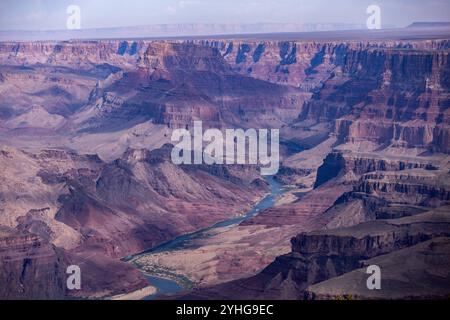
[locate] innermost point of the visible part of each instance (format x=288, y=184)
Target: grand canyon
x=86, y=176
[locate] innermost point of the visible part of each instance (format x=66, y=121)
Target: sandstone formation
x=31, y=267
x=97, y=212
x=328, y=254
x=86, y=176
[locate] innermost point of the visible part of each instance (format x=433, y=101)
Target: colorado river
x=168, y=286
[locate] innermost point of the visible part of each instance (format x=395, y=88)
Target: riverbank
x=209, y=252
x=162, y=272
x=136, y=295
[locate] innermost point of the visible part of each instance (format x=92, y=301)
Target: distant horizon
x=50, y=15
x=146, y=33
x=223, y=24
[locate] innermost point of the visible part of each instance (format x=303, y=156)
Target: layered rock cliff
x=382, y=106
x=31, y=268
x=322, y=255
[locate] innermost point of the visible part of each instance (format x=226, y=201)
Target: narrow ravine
x=166, y=285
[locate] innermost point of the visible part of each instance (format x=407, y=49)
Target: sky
x=51, y=14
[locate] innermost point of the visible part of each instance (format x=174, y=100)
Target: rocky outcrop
x=339, y=163
x=375, y=96
x=420, y=191
x=304, y=64
x=31, y=268
x=322, y=255
x=318, y=256
x=373, y=238
x=388, y=186
x=423, y=276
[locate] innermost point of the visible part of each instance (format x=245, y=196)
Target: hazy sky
x=51, y=14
